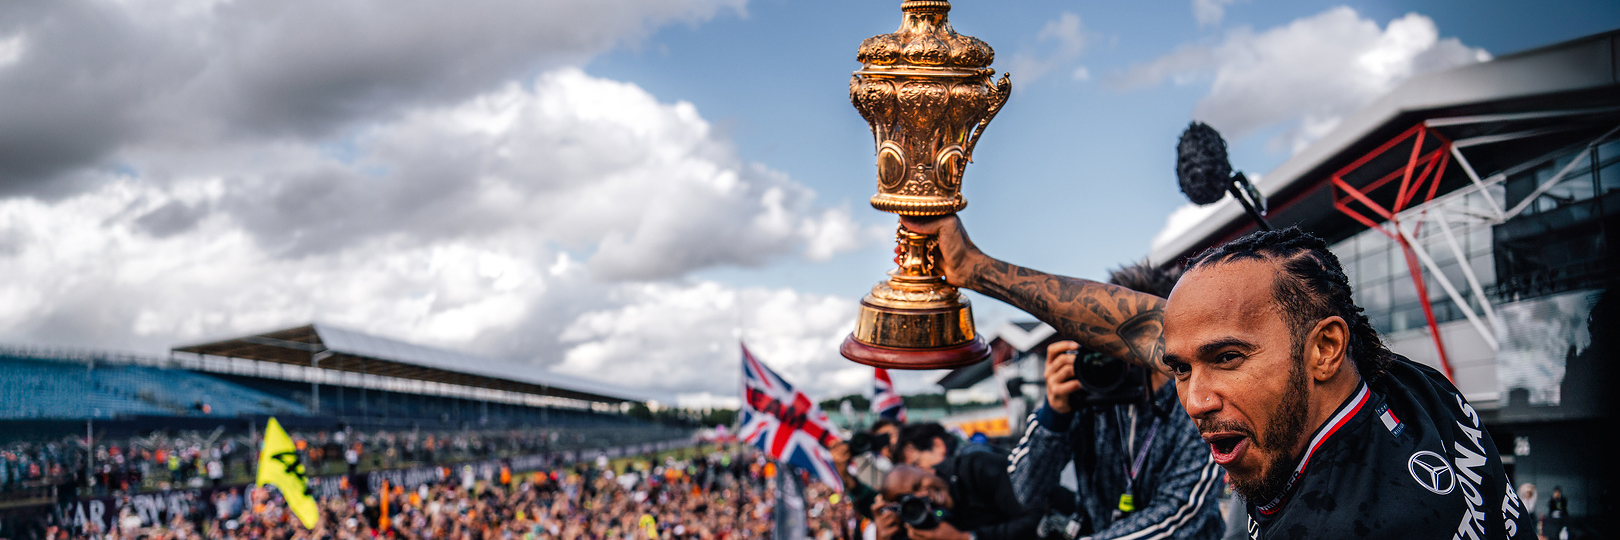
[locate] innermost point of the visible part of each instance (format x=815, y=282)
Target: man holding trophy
x=928, y=94
x=1322, y=430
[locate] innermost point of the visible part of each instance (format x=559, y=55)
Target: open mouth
x=1226, y=447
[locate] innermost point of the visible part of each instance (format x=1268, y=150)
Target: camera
x=1106, y=380
x=919, y=512
x=866, y=442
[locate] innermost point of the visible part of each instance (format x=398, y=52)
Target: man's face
x=925, y=458
x=1239, y=375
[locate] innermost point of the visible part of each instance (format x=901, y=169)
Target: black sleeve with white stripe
x=1040, y=456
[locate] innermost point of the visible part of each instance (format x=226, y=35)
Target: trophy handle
x=997, y=99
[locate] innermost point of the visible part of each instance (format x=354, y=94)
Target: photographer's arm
x=1034, y=466
x=1106, y=318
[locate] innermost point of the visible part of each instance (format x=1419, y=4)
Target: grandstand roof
x=1551, y=90
x=356, y=352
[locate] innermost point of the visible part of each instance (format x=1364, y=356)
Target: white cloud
x=551, y=223
x=11, y=49
x=1306, y=75
x=1059, y=43
x=1181, y=220
x=104, y=77
x=686, y=336
x=643, y=189
x=1210, y=12
x=171, y=173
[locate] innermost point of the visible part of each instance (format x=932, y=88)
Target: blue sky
x=1100, y=156
x=618, y=189
x=775, y=79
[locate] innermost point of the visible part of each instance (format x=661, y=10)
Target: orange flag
x=382, y=519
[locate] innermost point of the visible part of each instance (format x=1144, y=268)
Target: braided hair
x=1311, y=287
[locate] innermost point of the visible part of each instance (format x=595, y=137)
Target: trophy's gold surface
x=928, y=94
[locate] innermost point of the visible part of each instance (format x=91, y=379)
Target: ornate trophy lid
x=926, y=42
x=927, y=94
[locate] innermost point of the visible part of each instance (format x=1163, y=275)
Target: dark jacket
x=1176, y=486
x=984, y=503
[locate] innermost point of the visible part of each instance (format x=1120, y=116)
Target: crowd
x=196, y=459
x=720, y=495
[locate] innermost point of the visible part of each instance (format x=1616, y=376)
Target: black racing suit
x=1404, y=457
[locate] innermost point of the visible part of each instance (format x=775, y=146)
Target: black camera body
x=920, y=512
x=867, y=442
x=1105, y=380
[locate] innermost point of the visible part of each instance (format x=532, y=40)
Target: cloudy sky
x=617, y=189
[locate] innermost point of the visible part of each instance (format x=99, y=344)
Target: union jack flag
x=886, y=401
x=784, y=423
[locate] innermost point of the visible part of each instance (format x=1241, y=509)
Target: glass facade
x=1555, y=244
x=1559, y=242
x=1379, y=276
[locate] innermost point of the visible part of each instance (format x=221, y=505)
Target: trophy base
x=935, y=334
x=965, y=354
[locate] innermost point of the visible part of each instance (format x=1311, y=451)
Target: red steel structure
x=1433, y=163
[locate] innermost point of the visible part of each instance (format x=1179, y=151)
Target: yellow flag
x=651, y=525
x=279, y=465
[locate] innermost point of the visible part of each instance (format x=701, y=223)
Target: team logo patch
x=1431, y=471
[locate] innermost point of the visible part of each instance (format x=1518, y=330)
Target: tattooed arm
x=1106, y=318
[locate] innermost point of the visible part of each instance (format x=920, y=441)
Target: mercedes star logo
x=1432, y=472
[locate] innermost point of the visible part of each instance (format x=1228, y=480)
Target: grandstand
x=88, y=423
x=314, y=375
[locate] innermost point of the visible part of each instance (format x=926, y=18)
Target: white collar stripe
x=1333, y=424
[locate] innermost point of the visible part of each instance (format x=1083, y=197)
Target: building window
x=1382, y=283
x=1558, y=243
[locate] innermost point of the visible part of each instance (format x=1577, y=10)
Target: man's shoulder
x=1416, y=460
x=1403, y=376
x=1357, y=485
x=1418, y=401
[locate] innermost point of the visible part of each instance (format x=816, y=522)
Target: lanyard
x=1127, y=500
x=1134, y=467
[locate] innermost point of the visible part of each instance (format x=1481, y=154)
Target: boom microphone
x=1205, y=173
x=1202, y=165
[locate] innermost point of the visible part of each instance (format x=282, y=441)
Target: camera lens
x=1106, y=380
x=1100, y=373
x=918, y=512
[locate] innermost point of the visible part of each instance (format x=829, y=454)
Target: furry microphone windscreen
x=1201, y=164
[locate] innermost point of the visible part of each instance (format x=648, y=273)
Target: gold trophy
x=927, y=93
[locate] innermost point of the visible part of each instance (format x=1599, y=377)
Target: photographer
x=864, y=460
x=1141, y=467
x=966, y=497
